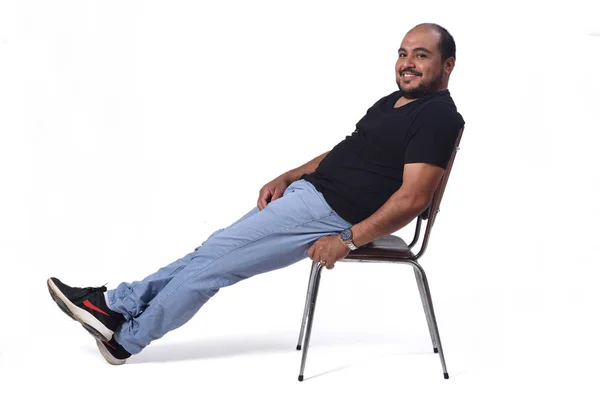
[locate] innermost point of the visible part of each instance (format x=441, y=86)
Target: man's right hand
x=272, y=191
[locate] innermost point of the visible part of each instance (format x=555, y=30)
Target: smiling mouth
x=409, y=75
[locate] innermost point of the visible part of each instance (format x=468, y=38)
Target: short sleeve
x=433, y=134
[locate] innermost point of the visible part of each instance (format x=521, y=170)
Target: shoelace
x=100, y=289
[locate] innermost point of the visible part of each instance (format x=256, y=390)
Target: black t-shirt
x=361, y=173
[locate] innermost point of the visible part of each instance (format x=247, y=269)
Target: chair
x=389, y=249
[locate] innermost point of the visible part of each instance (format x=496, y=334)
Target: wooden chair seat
x=388, y=248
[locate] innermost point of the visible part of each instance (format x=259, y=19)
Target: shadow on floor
x=263, y=343
x=213, y=348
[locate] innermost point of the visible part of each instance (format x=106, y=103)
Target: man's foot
x=86, y=305
x=113, y=352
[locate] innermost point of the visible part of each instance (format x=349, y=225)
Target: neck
x=403, y=100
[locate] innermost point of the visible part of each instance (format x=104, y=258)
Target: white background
x=131, y=130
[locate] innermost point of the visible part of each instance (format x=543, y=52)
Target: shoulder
x=440, y=110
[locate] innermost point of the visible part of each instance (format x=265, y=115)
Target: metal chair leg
x=306, y=304
x=317, y=268
x=425, y=308
x=429, y=304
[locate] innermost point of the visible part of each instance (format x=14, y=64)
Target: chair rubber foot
x=446, y=375
x=298, y=347
x=435, y=350
x=300, y=378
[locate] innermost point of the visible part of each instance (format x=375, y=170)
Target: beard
x=422, y=88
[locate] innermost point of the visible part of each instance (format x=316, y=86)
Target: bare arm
x=309, y=167
x=419, y=183
x=275, y=189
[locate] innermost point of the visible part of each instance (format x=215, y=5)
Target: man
x=371, y=184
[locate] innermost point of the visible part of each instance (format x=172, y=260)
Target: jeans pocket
x=315, y=204
x=291, y=188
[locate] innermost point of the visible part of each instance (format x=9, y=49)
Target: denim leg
x=131, y=299
x=277, y=236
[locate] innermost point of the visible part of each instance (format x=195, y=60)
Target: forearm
x=395, y=213
x=309, y=167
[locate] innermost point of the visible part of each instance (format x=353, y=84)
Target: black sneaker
x=86, y=305
x=113, y=352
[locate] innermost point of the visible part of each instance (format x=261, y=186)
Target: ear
x=449, y=65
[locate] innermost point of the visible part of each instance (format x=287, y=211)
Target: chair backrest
x=431, y=212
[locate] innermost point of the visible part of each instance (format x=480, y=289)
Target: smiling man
x=371, y=184
x=418, y=67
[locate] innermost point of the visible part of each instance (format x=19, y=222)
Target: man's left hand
x=328, y=250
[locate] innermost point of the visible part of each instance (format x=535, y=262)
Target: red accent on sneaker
x=93, y=307
x=108, y=344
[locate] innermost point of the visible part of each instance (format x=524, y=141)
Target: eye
x=401, y=55
x=422, y=55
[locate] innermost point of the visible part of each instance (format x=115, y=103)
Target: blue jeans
x=261, y=241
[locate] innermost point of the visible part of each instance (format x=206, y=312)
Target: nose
x=409, y=62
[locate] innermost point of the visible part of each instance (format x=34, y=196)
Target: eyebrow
x=416, y=49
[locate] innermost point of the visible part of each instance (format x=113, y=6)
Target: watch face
x=346, y=234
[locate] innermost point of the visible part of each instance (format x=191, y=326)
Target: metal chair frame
x=408, y=257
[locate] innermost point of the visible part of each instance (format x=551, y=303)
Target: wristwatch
x=346, y=237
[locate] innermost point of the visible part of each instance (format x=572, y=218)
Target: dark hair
x=446, y=45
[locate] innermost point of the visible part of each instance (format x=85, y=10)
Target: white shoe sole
x=107, y=356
